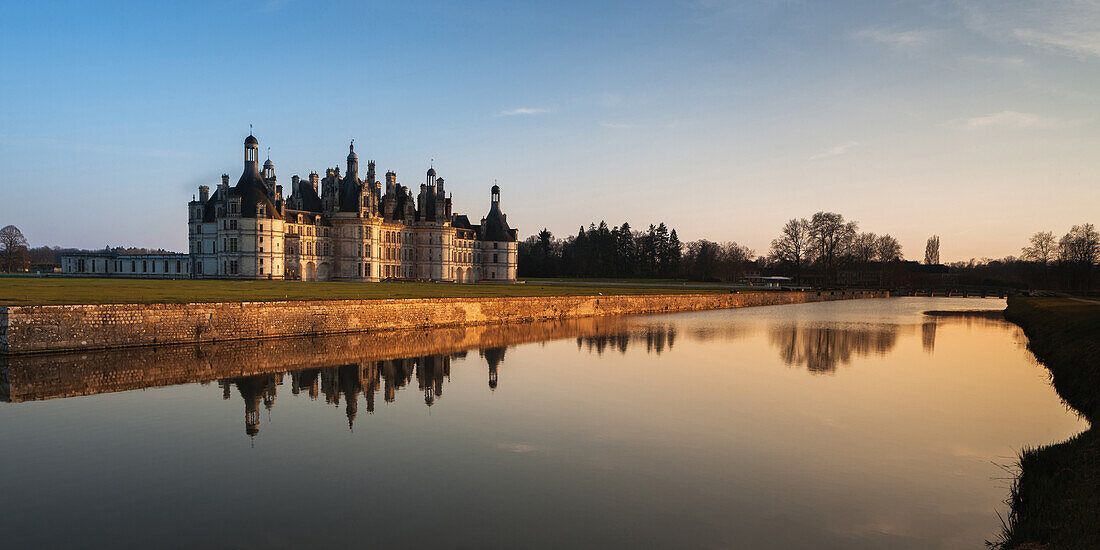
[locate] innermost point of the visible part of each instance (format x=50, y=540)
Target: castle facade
x=342, y=227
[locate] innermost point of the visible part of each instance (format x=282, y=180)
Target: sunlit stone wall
x=30, y=329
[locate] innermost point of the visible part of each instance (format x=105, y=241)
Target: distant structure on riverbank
x=331, y=228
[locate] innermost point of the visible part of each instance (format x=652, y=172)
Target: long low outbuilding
x=106, y=264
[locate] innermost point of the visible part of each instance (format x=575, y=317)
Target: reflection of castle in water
x=351, y=383
x=822, y=349
x=356, y=367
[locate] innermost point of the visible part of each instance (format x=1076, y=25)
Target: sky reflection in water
x=839, y=425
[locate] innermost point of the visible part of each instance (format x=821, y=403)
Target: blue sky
x=975, y=120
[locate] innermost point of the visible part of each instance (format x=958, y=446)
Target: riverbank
x=38, y=291
x=1055, y=502
x=40, y=329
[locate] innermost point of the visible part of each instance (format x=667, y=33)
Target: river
x=855, y=424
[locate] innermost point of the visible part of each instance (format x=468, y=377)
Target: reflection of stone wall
x=47, y=376
x=31, y=329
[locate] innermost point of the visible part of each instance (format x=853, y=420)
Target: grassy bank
x=59, y=290
x=1055, y=502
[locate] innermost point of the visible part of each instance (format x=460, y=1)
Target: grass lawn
x=607, y=280
x=60, y=290
x=1056, y=500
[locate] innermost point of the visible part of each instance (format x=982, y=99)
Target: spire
x=353, y=160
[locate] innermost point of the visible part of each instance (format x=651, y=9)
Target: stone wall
x=38, y=376
x=37, y=329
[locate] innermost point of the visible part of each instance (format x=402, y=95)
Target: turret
x=353, y=161
x=251, y=152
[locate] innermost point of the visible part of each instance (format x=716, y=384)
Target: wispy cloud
x=1061, y=26
x=523, y=111
x=617, y=125
x=1082, y=44
x=1013, y=119
x=516, y=447
x=1007, y=62
x=835, y=151
x=904, y=40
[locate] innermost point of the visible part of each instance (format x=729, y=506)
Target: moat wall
x=37, y=329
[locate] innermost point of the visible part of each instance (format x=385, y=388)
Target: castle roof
x=495, y=227
x=253, y=191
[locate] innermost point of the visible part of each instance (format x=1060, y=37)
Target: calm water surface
x=860, y=424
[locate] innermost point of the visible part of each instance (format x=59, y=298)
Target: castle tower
x=251, y=152
x=353, y=161
x=269, y=178
x=269, y=170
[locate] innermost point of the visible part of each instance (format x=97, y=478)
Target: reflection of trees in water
x=655, y=337
x=822, y=349
x=928, y=336
x=352, y=383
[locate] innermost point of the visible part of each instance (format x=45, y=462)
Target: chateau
x=339, y=227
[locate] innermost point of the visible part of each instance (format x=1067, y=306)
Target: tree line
x=600, y=251
x=825, y=243
x=1045, y=262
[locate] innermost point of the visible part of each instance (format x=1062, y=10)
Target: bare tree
x=932, y=250
x=1041, y=249
x=733, y=260
x=864, y=248
x=831, y=236
x=793, y=245
x=887, y=249
x=1080, y=246
x=13, y=248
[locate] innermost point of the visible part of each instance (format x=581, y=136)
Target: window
x=133, y=266
x=166, y=266
x=232, y=245
x=261, y=229
x=145, y=267
x=198, y=267
x=494, y=258
x=233, y=267
x=232, y=224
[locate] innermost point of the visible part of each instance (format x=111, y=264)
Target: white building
x=343, y=228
